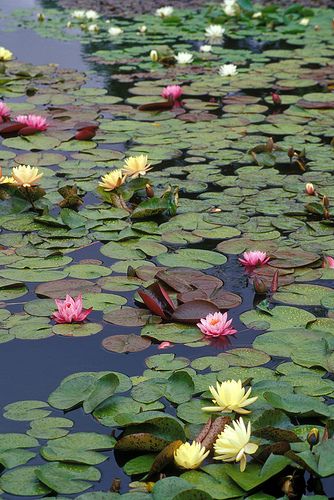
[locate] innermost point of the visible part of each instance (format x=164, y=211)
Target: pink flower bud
x=276, y=98
x=164, y=345
x=309, y=188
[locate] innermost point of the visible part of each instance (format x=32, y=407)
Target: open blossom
x=309, y=188
x=216, y=325
x=6, y=180
x=328, y=262
x=78, y=14
x=232, y=445
x=164, y=11
x=93, y=27
x=26, y=176
x=228, y=70
x=304, y=21
x=254, y=258
x=113, y=180
x=115, y=31
x=190, y=456
x=214, y=31
x=184, y=58
x=230, y=396
x=205, y=48
x=136, y=166
x=4, y=112
x=5, y=54
x=230, y=7
x=34, y=121
x=91, y=15
x=174, y=91
x=70, y=310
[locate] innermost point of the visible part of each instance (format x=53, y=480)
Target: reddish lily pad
x=126, y=343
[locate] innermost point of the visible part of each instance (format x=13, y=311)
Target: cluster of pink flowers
x=70, y=310
x=254, y=258
x=173, y=92
x=216, y=325
x=35, y=122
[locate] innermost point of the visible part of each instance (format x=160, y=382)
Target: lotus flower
x=328, y=262
x=136, y=166
x=164, y=11
x=36, y=122
x=228, y=70
x=309, y=189
x=190, y=456
x=4, y=112
x=113, y=180
x=115, y=31
x=184, y=58
x=216, y=325
x=70, y=310
x=232, y=445
x=172, y=91
x=214, y=31
x=230, y=396
x=26, y=176
x=254, y=258
x=5, y=54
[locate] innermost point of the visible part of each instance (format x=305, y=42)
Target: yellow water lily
x=190, y=456
x=26, y=176
x=136, y=166
x=230, y=396
x=113, y=180
x=6, y=180
x=5, y=54
x=232, y=445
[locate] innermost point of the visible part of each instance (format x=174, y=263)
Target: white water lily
x=184, y=58
x=214, y=31
x=93, y=27
x=91, y=15
x=205, y=48
x=304, y=21
x=256, y=15
x=154, y=55
x=142, y=29
x=164, y=11
x=228, y=70
x=115, y=31
x=230, y=7
x=78, y=14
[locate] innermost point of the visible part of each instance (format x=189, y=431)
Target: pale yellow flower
x=5, y=54
x=230, y=396
x=190, y=456
x=232, y=445
x=136, y=166
x=7, y=180
x=26, y=176
x=113, y=180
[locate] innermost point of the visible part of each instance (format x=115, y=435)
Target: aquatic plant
x=70, y=310
x=190, y=456
x=216, y=325
x=230, y=396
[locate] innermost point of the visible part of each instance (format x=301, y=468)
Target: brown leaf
x=165, y=457
x=141, y=441
x=59, y=288
x=126, y=343
x=216, y=428
x=192, y=312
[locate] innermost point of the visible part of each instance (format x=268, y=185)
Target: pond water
x=238, y=190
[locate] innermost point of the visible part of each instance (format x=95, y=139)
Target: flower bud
x=40, y=16
x=309, y=188
x=276, y=98
x=149, y=191
x=325, y=201
x=313, y=437
x=143, y=29
x=154, y=55
x=259, y=286
x=291, y=152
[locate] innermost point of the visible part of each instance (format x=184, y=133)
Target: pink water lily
x=4, y=112
x=254, y=258
x=165, y=345
x=216, y=325
x=70, y=310
x=36, y=122
x=172, y=91
x=328, y=262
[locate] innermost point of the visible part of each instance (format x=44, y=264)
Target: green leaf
x=67, y=478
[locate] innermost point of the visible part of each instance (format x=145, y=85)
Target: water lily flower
x=36, y=122
x=4, y=112
x=164, y=11
x=256, y=15
x=254, y=258
x=304, y=21
x=214, y=31
x=78, y=14
x=142, y=29
x=91, y=15
x=70, y=310
x=154, y=55
x=165, y=345
x=328, y=262
x=205, y=48
x=232, y=445
x=309, y=188
x=5, y=54
x=313, y=437
x=173, y=91
x=26, y=176
x=113, y=180
x=230, y=7
x=228, y=70
x=190, y=456
x=184, y=58
x=93, y=27
x=216, y=325
x=136, y=166
x=230, y=396
x=6, y=180
x=276, y=98
x=115, y=31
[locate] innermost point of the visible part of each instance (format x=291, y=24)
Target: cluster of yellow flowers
x=22, y=175
x=133, y=167
x=233, y=444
